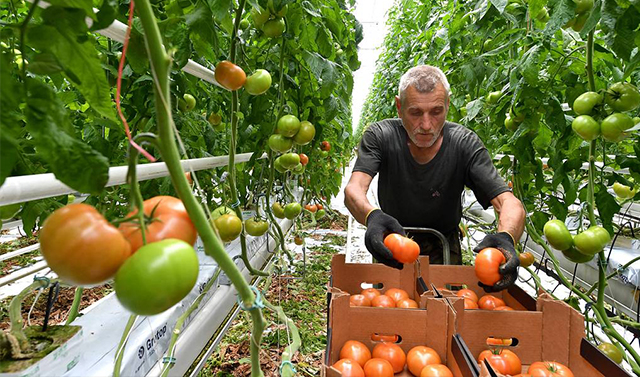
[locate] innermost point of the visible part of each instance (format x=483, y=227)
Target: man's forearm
x=511, y=218
x=357, y=203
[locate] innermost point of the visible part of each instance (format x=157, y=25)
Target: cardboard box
x=431, y=327
x=555, y=332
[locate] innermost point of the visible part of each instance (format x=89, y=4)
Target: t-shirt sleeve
x=482, y=177
x=369, y=152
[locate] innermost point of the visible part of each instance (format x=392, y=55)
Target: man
x=424, y=164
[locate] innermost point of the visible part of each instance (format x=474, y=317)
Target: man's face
x=423, y=114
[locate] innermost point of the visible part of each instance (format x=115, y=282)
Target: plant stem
x=73, y=312
x=592, y=82
x=122, y=345
x=292, y=348
x=590, y=194
x=15, y=313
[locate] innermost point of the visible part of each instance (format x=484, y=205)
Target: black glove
x=379, y=225
x=509, y=270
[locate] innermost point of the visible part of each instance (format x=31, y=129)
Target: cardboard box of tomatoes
x=355, y=328
x=553, y=333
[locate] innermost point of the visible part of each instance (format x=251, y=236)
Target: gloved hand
x=379, y=225
x=509, y=270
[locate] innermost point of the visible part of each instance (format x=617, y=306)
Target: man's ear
x=398, y=106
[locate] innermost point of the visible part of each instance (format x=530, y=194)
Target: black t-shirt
x=428, y=195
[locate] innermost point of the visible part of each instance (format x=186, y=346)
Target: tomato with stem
x=228, y=226
x=612, y=352
x=256, y=227
x=305, y=134
x=403, y=249
x=292, y=210
x=304, y=159
x=614, y=127
x=280, y=143
x=586, y=127
x=526, y=259
x=288, y=125
x=502, y=360
x=278, y=210
x=274, y=28
x=622, y=96
x=584, y=104
x=549, y=369
x=258, y=83
x=623, y=191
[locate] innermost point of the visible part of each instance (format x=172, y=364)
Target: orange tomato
x=490, y=302
x=467, y=293
x=549, y=369
x=487, y=265
x=229, y=75
x=187, y=175
x=407, y=303
x=384, y=338
x=371, y=293
x=421, y=356
x=356, y=351
x=503, y=307
x=404, y=249
x=349, y=368
x=436, y=370
x=396, y=294
x=320, y=206
x=392, y=353
x=383, y=302
x=470, y=304
x=502, y=360
x=304, y=159
x=378, y=368
x=359, y=300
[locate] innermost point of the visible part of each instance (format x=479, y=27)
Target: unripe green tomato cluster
x=582, y=13
x=578, y=249
x=270, y=20
x=290, y=130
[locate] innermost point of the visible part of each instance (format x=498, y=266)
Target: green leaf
x=106, y=15
x=62, y=35
x=72, y=161
x=330, y=109
x=220, y=10
x=9, y=153
x=85, y=5
x=499, y=4
x=625, y=31
x=607, y=207
x=44, y=64
x=557, y=208
x=562, y=11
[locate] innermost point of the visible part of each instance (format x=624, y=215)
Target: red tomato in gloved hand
x=487, y=265
x=169, y=219
x=80, y=245
x=404, y=249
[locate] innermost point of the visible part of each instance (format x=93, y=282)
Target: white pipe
x=23, y=272
x=19, y=252
x=39, y=186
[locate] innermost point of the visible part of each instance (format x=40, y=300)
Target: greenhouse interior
x=356, y=188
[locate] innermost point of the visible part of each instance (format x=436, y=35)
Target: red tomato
x=396, y=294
x=320, y=206
x=311, y=208
x=404, y=249
x=502, y=360
x=384, y=338
x=349, y=368
x=304, y=159
x=490, y=302
x=406, y=303
x=229, y=75
x=468, y=293
x=392, y=353
x=359, y=300
x=503, y=307
x=378, y=368
x=371, y=293
x=549, y=369
x=325, y=146
x=356, y=351
x=470, y=304
x=487, y=264
x=436, y=370
x=81, y=246
x=383, y=302
x=421, y=356
x=169, y=220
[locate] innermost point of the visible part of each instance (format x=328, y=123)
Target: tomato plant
x=502, y=360
x=357, y=351
x=230, y=75
x=80, y=245
x=404, y=249
x=167, y=218
x=256, y=227
x=592, y=240
x=420, y=356
x=378, y=368
x=157, y=276
x=487, y=265
x=392, y=353
x=349, y=368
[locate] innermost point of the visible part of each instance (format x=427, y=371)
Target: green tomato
x=258, y=83
x=222, y=210
x=244, y=24
x=543, y=15
x=581, y=19
x=558, y=235
x=288, y=125
x=493, y=97
x=255, y=227
x=278, y=210
x=9, y=211
x=623, y=191
x=575, y=256
x=277, y=164
x=298, y=169
x=190, y=101
x=274, y=28
x=259, y=17
x=583, y=6
x=614, y=126
x=279, y=143
x=636, y=120
x=584, y=104
x=305, y=134
x=510, y=124
x=278, y=13
x=486, y=46
x=156, y=277
x=324, y=154
x=214, y=119
x=590, y=242
x=289, y=160
x=517, y=114
x=292, y=210
x=182, y=105
x=228, y=226
x=320, y=214
x=612, y=352
x=586, y=127
x=622, y=96
x=602, y=234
